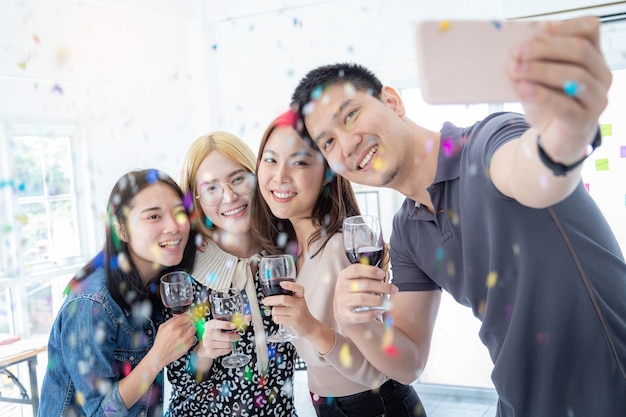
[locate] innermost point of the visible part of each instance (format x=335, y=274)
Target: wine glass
x=177, y=291
x=227, y=305
x=273, y=270
x=363, y=243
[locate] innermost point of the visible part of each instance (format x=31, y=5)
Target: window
x=433, y=116
x=368, y=201
x=43, y=219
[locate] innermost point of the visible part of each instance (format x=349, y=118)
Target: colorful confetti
x=345, y=357
x=492, y=278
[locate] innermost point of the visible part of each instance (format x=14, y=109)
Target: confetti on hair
x=345, y=357
x=492, y=279
x=123, y=262
x=198, y=240
x=288, y=118
x=317, y=93
x=308, y=108
x=113, y=263
x=444, y=25
x=152, y=176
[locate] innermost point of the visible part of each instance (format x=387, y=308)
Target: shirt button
x=149, y=331
x=132, y=358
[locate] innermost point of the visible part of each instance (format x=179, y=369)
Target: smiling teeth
x=368, y=157
x=283, y=195
x=234, y=211
x=170, y=245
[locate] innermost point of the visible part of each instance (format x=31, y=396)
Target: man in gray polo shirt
x=497, y=215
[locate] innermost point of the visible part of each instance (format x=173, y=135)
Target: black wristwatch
x=559, y=169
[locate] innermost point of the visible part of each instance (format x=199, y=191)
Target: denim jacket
x=93, y=344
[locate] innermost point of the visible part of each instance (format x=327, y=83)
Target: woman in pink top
x=299, y=209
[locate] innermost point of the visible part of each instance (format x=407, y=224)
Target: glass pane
x=39, y=304
x=5, y=311
x=28, y=165
x=64, y=231
x=368, y=202
x=433, y=116
x=35, y=242
x=58, y=156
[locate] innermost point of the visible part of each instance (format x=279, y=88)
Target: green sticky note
x=606, y=129
x=602, y=164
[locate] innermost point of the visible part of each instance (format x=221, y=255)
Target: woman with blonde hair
x=218, y=177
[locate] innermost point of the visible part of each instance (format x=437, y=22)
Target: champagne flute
x=363, y=243
x=273, y=270
x=177, y=291
x=227, y=305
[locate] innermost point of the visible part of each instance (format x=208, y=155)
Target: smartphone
x=465, y=61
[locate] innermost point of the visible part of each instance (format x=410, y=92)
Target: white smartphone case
x=465, y=61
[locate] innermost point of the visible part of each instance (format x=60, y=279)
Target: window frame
x=15, y=276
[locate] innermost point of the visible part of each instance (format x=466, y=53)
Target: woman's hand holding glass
x=273, y=270
x=227, y=306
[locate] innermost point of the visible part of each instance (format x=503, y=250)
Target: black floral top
x=233, y=392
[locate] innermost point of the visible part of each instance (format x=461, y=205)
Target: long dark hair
x=335, y=202
x=124, y=281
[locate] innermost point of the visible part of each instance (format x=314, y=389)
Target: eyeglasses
x=213, y=193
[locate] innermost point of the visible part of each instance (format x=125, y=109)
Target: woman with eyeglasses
x=218, y=175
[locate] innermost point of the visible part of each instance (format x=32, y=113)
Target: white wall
x=261, y=54
x=124, y=71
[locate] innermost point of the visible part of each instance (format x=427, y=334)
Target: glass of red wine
x=227, y=305
x=363, y=243
x=273, y=270
x=177, y=291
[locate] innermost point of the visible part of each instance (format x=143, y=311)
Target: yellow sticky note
x=602, y=164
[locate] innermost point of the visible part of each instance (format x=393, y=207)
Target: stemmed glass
x=227, y=305
x=363, y=243
x=273, y=270
x=177, y=291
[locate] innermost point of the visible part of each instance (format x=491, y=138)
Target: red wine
x=180, y=309
x=272, y=286
x=369, y=255
x=226, y=317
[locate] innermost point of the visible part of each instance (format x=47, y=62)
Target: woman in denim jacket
x=108, y=345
